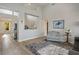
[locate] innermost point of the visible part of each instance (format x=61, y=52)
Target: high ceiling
x=41, y=4
x=23, y=4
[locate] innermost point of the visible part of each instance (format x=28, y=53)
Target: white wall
x=29, y=34
x=67, y=12
x=21, y=8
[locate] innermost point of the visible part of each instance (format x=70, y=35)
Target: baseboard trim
x=20, y=40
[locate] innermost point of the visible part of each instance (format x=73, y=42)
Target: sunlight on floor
x=6, y=40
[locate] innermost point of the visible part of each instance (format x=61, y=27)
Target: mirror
x=31, y=21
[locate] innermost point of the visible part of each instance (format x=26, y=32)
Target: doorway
x=15, y=31
x=8, y=26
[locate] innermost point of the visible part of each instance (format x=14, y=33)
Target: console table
x=67, y=37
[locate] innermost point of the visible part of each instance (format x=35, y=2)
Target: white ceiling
x=41, y=4
x=23, y=4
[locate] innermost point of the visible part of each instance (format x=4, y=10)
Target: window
x=5, y=11
x=16, y=14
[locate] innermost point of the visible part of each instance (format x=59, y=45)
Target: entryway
x=8, y=25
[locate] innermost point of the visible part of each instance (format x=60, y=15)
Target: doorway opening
x=8, y=26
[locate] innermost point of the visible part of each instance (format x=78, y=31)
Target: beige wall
x=67, y=12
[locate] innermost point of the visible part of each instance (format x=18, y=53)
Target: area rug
x=47, y=48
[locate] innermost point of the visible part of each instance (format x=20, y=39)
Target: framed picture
x=6, y=24
x=58, y=24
